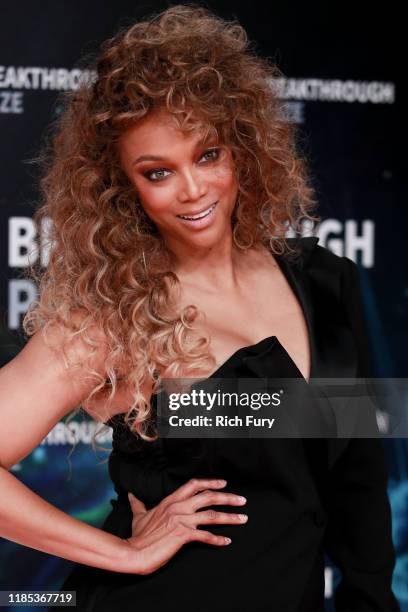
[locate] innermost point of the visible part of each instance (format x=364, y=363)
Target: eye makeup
x=149, y=173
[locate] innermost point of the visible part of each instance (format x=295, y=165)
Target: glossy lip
x=198, y=212
x=198, y=224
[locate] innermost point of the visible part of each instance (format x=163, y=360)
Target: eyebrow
x=202, y=142
x=148, y=158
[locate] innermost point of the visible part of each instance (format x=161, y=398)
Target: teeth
x=198, y=216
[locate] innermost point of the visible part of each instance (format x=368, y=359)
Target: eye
x=150, y=173
x=215, y=152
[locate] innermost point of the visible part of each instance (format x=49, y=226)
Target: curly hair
x=201, y=69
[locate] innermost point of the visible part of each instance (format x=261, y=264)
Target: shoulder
x=322, y=269
x=332, y=284
x=313, y=258
x=78, y=342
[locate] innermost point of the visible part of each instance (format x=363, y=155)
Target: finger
x=202, y=500
x=211, y=498
x=136, y=504
x=215, y=518
x=199, y=535
x=193, y=486
x=158, y=552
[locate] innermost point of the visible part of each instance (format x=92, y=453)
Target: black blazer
x=354, y=481
x=304, y=496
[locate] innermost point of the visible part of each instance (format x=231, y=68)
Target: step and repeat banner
x=344, y=90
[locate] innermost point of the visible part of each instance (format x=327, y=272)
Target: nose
x=193, y=186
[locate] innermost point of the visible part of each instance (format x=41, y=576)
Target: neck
x=216, y=268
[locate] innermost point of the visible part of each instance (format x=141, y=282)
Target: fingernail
x=227, y=540
x=222, y=483
x=242, y=499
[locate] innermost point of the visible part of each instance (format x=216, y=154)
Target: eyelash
x=148, y=174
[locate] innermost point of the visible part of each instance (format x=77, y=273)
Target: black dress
x=305, y=497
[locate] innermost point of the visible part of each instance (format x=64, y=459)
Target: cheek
x=227, y=181
x=225, y=177
x=156, y=201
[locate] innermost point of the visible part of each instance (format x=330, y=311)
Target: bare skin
x=230, y=288
x=261, y=297
x=37, y=386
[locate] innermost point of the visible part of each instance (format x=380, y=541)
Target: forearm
x=29, y=520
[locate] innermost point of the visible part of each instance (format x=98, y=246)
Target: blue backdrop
x=344, y=89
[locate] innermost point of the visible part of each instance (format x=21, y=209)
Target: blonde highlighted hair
x=108, y=261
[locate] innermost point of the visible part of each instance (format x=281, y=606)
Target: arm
x=358, y=537
x=36, y=392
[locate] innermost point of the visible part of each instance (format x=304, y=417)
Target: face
x=176, y=178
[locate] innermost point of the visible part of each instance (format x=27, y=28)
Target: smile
x=200, y=215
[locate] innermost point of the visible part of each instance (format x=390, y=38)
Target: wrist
x=128, y=559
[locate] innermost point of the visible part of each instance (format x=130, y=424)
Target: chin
x=210, y=237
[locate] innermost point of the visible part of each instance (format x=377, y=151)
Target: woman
x=173, y=183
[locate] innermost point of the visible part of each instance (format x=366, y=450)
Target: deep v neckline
x=273, y=340
x=266, y=344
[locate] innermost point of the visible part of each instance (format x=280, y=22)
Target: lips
x=199, y=214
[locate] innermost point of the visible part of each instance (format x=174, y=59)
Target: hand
x=157, y=534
